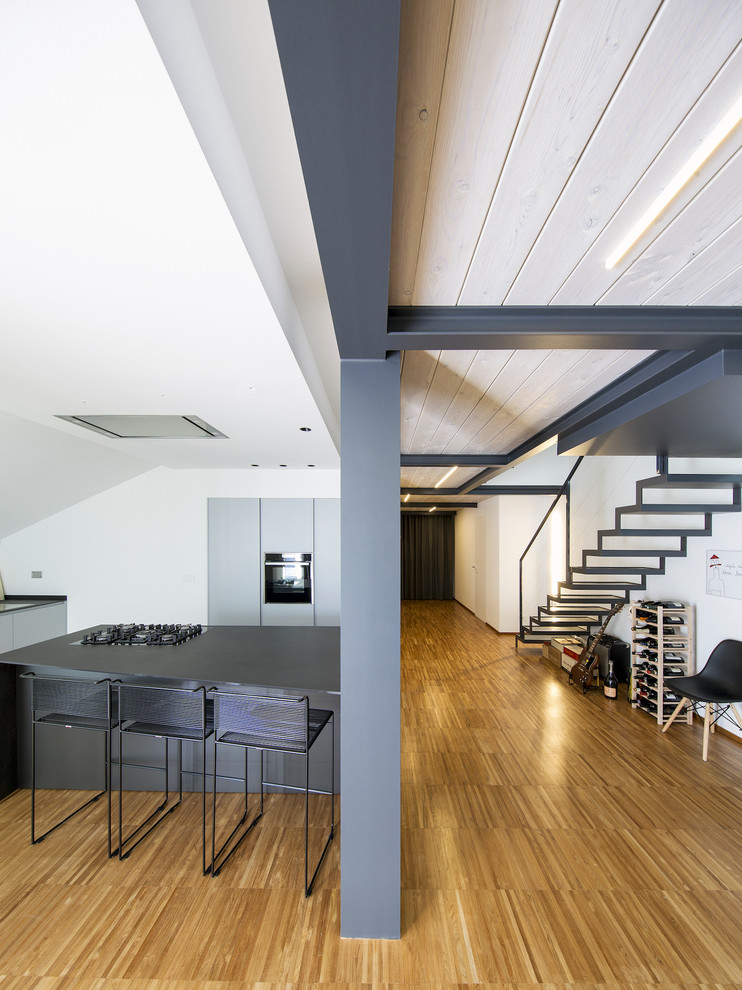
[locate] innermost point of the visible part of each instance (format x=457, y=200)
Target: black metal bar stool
x=163, y=713
x=73, y=703
x=278, y=725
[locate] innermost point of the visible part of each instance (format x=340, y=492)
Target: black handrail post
x=564, y=490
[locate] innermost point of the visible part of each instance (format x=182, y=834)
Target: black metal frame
x=79, y=715
x=327, y=717
x=131, y=721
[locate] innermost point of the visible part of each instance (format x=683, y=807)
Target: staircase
x=669, y=509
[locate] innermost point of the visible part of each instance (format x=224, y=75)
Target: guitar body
x=583, y=672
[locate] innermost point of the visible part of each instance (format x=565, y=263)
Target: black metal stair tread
x=654, y=531
x=595, y=569
x=602, y=552
x=679, y=508
x=692, y=481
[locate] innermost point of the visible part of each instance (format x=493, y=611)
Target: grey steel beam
x=449, y=460
x=424, y=506
x=339, y=62
x=590, y=327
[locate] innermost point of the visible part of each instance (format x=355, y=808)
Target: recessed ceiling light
x=254, y=465
x=282, y=465
x=305, y=429
x=310, y=465
x=446, y=477
x=406, y=497
x=725, y=126
x=433, y=509
x=148, y=427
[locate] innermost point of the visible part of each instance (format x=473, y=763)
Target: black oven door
x=288, y=578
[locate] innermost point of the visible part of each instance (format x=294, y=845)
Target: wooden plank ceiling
x=531, y=135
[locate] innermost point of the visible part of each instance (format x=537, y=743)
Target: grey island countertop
x=302, y=658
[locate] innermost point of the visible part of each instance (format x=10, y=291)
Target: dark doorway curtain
x=427, y=556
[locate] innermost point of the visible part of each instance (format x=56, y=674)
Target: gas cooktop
x=132, y=634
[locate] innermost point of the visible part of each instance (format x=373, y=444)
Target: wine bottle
x=610, y=684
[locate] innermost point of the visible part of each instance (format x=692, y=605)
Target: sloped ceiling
x=127, y=286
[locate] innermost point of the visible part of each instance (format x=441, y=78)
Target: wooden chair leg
x=706, y=720
x=671, y=719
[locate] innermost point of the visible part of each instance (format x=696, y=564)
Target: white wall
x=138, y=552
x=508, y=522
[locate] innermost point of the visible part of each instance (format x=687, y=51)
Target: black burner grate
x=133, y=634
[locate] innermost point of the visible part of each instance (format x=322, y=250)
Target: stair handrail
x=564, y=490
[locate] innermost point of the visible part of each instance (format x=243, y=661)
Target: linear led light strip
x=727, y=124
x=445, y=477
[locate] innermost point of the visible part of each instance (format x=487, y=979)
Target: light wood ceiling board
x=703, y=272
x=592, y=371
x=527, y=406
x=726, y=292
x=450, y=373
x=586, y=54
x=656, y=93
x=493, y=52
x=698, y=225
x=418, y=368
x=519, y=369
x=424, y=31
x=591, y=280
x=482, y=373
x=428, y=477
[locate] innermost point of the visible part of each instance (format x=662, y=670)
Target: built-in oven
x=288, y=578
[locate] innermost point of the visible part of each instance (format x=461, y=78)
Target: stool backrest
x=67, y=696
x=263, y=723
x=176, y=707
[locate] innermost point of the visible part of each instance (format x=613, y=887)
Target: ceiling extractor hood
x=148, y=427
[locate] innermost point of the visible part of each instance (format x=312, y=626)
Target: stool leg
x=33, y=782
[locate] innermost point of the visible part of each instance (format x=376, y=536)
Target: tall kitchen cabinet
x=287, y=526
x=234, y=555
x=243, y=530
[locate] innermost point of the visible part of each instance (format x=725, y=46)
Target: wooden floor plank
x=549, y=839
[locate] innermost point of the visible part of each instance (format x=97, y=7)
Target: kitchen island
x=290, y=660
x=294, y=658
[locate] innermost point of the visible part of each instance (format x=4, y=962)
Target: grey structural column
x=370, y=649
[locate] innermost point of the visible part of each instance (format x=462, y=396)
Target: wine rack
x=662, y=646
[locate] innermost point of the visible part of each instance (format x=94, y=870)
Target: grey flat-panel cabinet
x=37, y=624
x=6, y=633
x=286, y=525
x=327, y=561
x=234, y=562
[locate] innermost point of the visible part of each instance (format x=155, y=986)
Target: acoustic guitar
x=583, y=672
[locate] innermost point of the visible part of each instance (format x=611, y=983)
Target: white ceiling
x=126, y=287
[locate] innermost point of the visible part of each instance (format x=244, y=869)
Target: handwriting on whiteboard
x=724, y=573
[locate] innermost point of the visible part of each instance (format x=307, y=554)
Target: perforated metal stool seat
x=278, y=725
x=180, y=714
x=73, y=703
